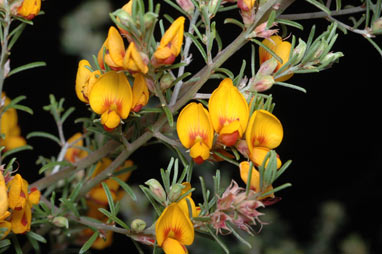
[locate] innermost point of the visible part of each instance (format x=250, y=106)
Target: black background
x=332, y=133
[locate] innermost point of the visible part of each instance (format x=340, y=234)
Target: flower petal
x=172, y=246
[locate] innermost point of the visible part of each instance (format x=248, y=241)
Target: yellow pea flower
x=111, y=97
x=183, y=202
x=114, y=50
x=280, y=48
x=21, y=202
x=3, y=199
x=229, y=112
x=174, y=230
x=255, y=179
x=170, y=44
x=85, y=80
x=140, y=93
x=9, y=128
x=264, y=132
x=195, y=131
x=29, y=9
x=73, y=154
x=133, y=61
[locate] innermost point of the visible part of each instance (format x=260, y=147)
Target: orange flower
x=29, y=8
x=280, y=48
x=133, y=61
x=73, y=154
x=195, y=131
x=111, y=97
x=229, y=112
x=170, y=44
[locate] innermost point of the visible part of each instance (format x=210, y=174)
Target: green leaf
x=5, y=243
x=43, y=135
x=26, y=67
x=89, y=243
x=16, y=150
x=290, y=23
x=319, y=6
x=109, y=198
x=67, y=114
x=238, y=236
x=298, y=88
x=37, y=237
x=23, y=108
x=52, y=164
x=279, y=188
x=177, y=7
x=234, y=22
x=114, y=218
x=221, y=244
x=198, y=46
x=126, y=188
x=16, y=36
x=271, y=19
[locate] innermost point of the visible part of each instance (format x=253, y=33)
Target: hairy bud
x=263, y=83
x=300, y=50
x=166, y=81
x=138, y=225
x=376, y=27
x=186, y=5
x=157, y=189
x=175, y=192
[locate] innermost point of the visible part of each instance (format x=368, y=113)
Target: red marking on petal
x=108, y=129
x=198, y=160
x=22, y=194
x=24, y=220
x=229, y=139
x=33, y=189
x=137, y=108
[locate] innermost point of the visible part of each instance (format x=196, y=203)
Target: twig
x=321, y=14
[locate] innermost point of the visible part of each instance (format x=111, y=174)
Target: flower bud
x=331, y=57
x=268, y=67
x=175, y=192
x=263, y=83
x=186, y=5
x=60, y=222
x=376, y=27
x=149, y=19
x=320, y=49
x=138, y=225
x=166, y=81
x=157, y=189
x=300, y=50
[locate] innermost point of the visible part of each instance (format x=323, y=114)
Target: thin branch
x=321, y=14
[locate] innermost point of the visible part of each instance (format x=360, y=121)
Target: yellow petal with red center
x=164, y=53
x=21, y=220
x=29, y=8
x=74, y=153
x=111, y=92
x=255, y=179
x=7, y=226
x=173, y=223
x=227, y=105
x=140, y=92
x=194, y=126
x=264, y=129
x=258, y=154
x=184, y=206
x=3, y=196
x=271, y=43
x=34, y=196
x=172, y=246
x=18, y=192
x=133, y=61
x=115, y=46
x=200, y=152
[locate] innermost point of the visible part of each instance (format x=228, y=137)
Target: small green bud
x=149, y=19
x=166, y=81
x=320, y=49
x=157, y=189
x=175, y=192
x=61, y=222
x=331, y=57
x=138, y=225
x=300, y=50
x=268, y=67
x=263, y=83
x=376, y=27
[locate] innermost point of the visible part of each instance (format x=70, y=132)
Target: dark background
x=332, y=133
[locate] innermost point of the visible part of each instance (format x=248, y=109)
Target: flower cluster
x=10, y=130
x=27, y=9
x=16, y=201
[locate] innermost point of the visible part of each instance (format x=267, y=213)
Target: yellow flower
x=29, y=8
x=280, y=48
x=111, y=97
x=74, y=153
x=114, y=50
x=170, y=44
x=183, y=202
x=264, y=132
x=174, y=230
x=10, y=128
x=21, y=202
x=133, y=60
x=85, y=80
x=246, y=5
x=140, y=92
x=229, y=112
x=255, y=179
x=195, y=131
x=3, y=199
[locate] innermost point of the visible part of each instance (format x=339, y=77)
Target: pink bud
x=186, y=5
x=263, y=83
